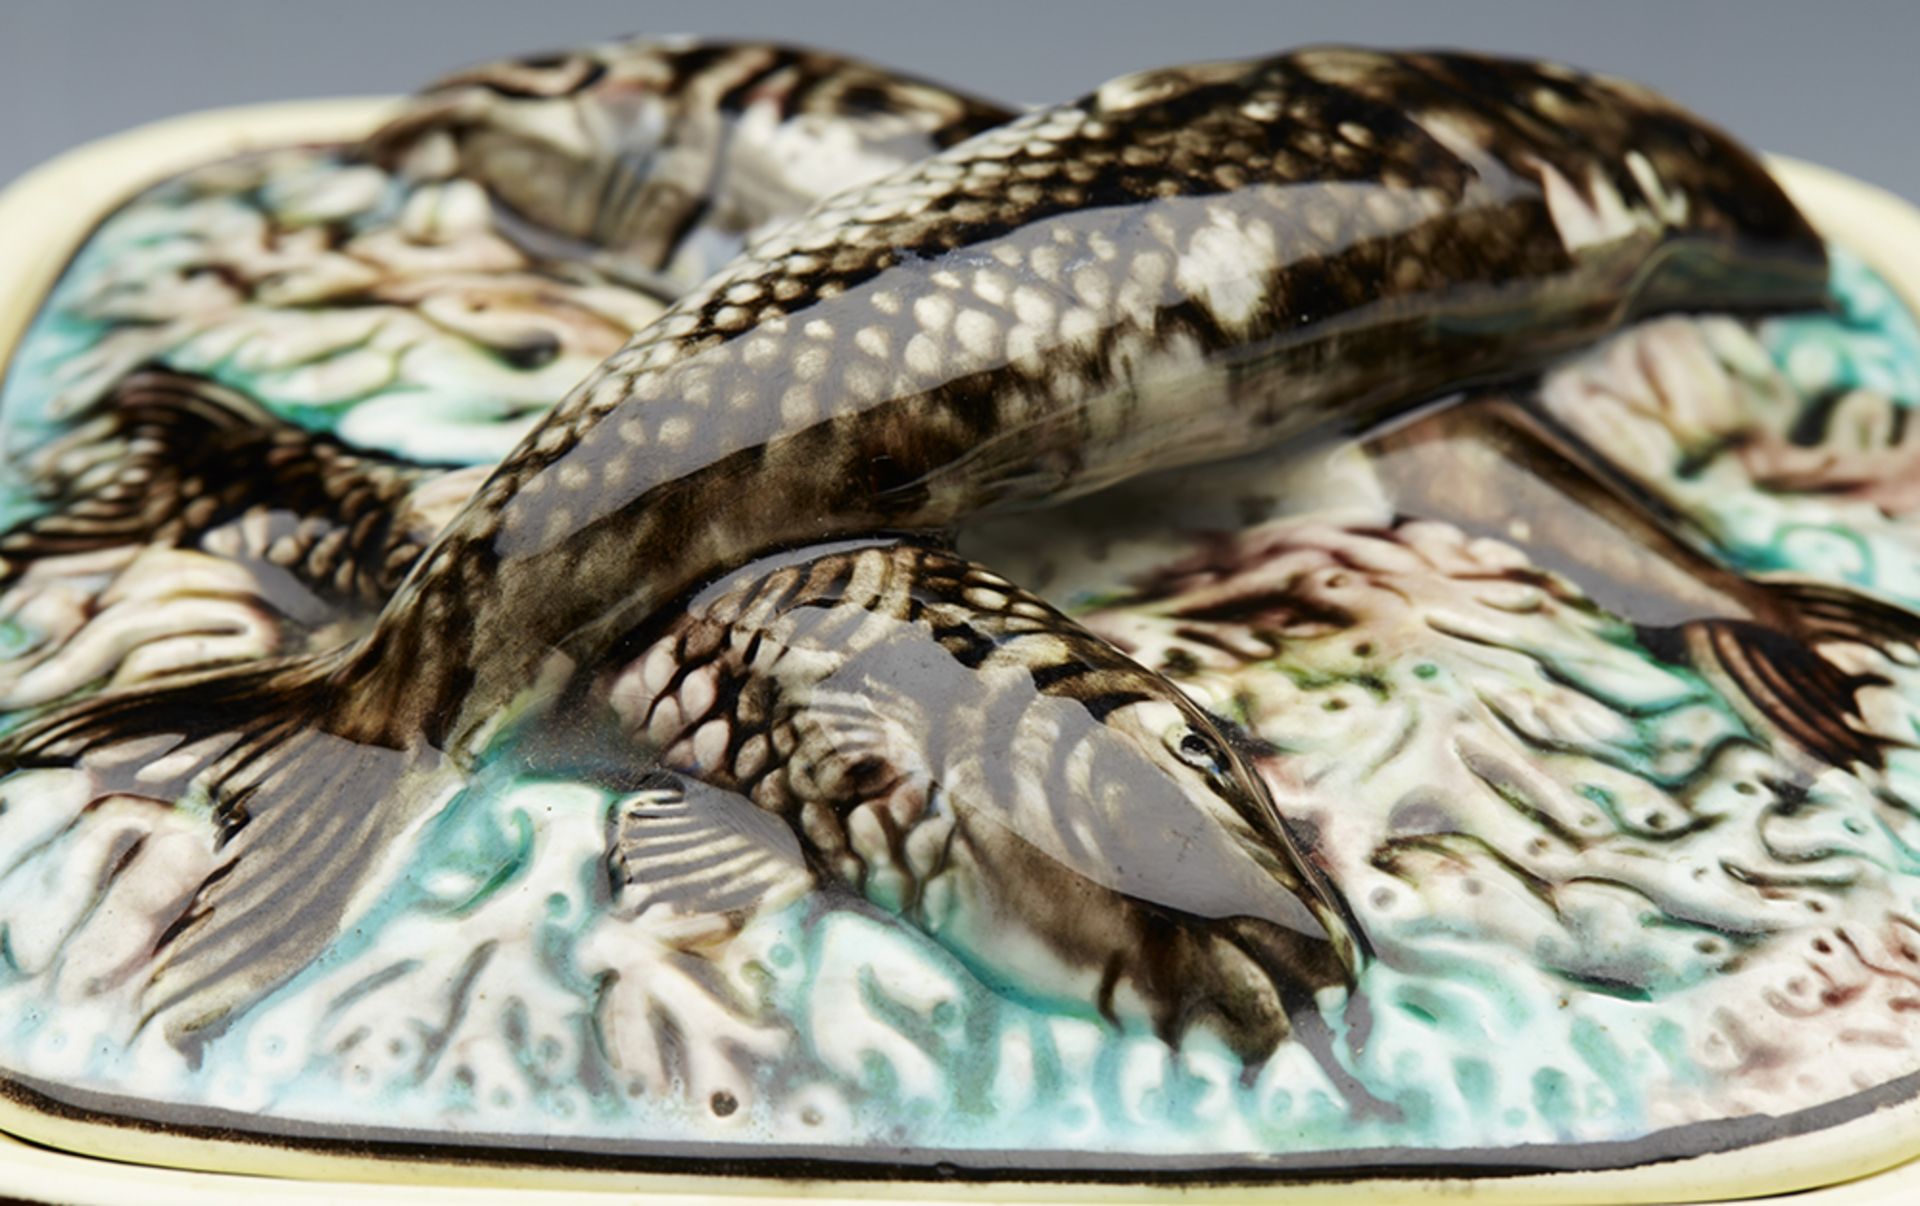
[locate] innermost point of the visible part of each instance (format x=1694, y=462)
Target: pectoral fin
x=681, y=845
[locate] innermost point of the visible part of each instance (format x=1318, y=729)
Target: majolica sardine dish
x=712, y=610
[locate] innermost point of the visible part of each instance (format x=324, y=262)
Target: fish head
x=1192, y=757
x=1180, y=761
x=1066, y=822
x=1119, y=846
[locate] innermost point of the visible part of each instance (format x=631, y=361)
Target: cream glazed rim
x=47, y=214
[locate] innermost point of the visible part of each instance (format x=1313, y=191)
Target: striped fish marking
x=1076, y=297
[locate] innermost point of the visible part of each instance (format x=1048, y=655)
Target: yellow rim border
x=47, y=214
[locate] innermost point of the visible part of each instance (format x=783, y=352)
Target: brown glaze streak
x=958, y=750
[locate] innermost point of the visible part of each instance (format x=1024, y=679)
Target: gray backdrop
x=1829, y=80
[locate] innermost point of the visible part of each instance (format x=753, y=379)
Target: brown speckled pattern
x=660, y=157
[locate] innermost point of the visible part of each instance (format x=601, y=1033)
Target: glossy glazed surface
x=1184, y=659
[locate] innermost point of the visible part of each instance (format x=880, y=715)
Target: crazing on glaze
x=417, y=726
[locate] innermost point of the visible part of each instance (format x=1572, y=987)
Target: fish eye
x=1198, y=750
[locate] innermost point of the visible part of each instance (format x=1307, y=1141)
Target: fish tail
x=302, y=812
x=118, y=479
x=1800, y=688
x=189, y=709
x=1839, y=613
x=1791, y=688
x=166, y=458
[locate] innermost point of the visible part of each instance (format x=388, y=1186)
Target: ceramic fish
x=968, y=757
x=1184, y=265
x=657, y=159
x=762, y=130
x=985, y=330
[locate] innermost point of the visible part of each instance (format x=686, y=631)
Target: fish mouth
x=1279, y=954
x=1240, y=974
x=1249, y=982
x=1298, y=966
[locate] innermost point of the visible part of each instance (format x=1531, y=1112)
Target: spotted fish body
x=963, y=754
x=1184, y=265
x=657, y=158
